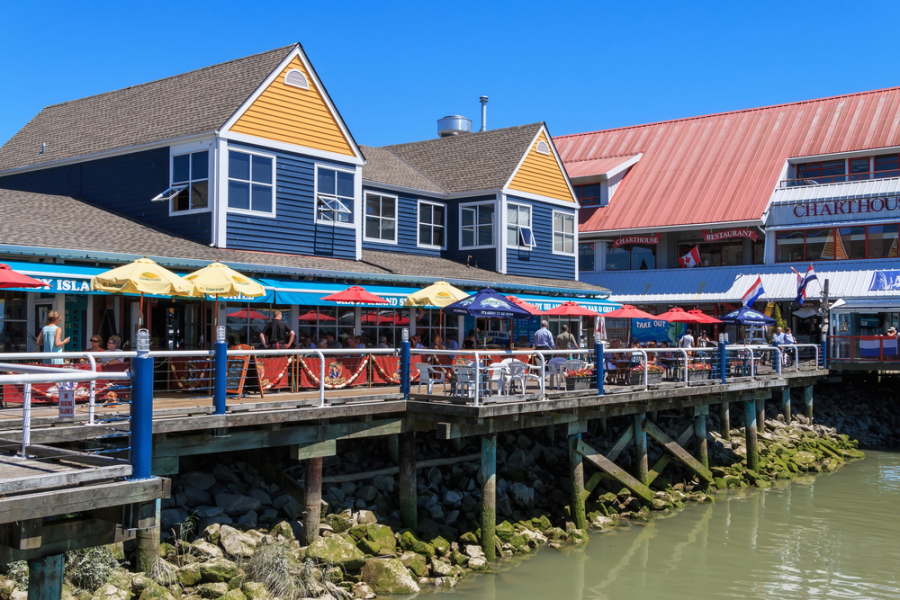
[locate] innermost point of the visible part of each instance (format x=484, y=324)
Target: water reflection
x=835, y=536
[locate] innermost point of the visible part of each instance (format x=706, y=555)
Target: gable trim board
x=275, y=144
x=532, y=156
x=239, y=119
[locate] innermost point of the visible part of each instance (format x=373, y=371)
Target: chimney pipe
x=484, y=101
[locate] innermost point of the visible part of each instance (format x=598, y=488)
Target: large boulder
x=154, y=591
x=109, y=592
x=236, y=543
x=189, y=575
x=197, y=479
x=382, y=536
x=206, y=549
x=408, y=541
x=212, y=590
x=338, y=550
x=218, y=570
x=255, y=591
x=414, y=562
x=388, y=577
x=237, y=503
x=195, y=496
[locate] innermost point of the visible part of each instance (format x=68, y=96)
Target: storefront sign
x=715, y=236
x=869, y=206
x=627, y=240
x=885, y=281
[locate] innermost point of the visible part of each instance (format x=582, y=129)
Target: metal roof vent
x=542, y=148
x=296, y=78
x=454, y=125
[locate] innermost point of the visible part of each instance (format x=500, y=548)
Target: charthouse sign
x=716, y=236
x=835, y=211
x=637, y=239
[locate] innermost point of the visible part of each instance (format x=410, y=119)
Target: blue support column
x=723, y=362
x=824, y=354
x=221, y=368
x=45, y=577
x=404, y=368
x=142, y=409
x=598, y=361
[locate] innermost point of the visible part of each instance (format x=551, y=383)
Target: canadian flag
x=691, y=259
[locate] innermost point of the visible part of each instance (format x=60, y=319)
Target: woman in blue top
x=50, y=339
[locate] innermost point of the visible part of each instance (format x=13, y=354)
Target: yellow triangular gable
x=541, y=174
x=289, y=114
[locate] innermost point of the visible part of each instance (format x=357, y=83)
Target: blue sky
x=393, y=68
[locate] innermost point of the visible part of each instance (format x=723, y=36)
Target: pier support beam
x=761, y=416
x=551, y=435
x=786, y=404
x=313, y=500
x=45, y=577
x=808, y=402
x=751, y=435
x=393, y=446
x=725, y=421
x=409, y=508
x=640, y=443
x=603, y=426
x=146, y=551
x=576, y=475
x=702, y=449
x=489, y=495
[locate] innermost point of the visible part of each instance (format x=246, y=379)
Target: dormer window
x=518, y=227
x=251, y=179
x=296, y=78
x=190, y=170
x=334, y=196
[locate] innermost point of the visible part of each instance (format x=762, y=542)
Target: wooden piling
x=786, y=404
x=393, y=444
x=576, y=474
x=313, y=500
x=653, y=416
x=489, y=495
x=725, y=421
x=603, y=426
x=751, y=435
x=808, y=402
x=761, y=416
x=146, y=551
x=45, y=576
x=702, y=448
x=640, y=443
x=409, y=508
x=551, y=435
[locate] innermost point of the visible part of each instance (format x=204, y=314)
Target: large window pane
x=485, y=214
x=468, y=237
x=372, y=228
x=425, y=235
x=327, y=181
x=618, y=259
x=852, y=242
x=262, y=198
x=181, y=168
x=438, y=236
x=733, y=253
x=857, y=167
x=585, y=257
x=199, y=165
x=199, y=194
x=485, y=235
x=345, y=184
x=818, y=246
x=887, y=166
x=239, y=195
x=239, y=165
x=789, y=246
x=262, y=169
x=883, y=241
x=643, y=257
x=468, y=216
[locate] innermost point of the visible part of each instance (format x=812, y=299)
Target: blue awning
x=309, y=293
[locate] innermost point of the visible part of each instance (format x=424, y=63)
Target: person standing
x=543, y=339
x=687, y=340
x=565, y=340
x=277, y=333
x=50, y=338
x=778, y=336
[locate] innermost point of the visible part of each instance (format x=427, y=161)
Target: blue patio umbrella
x=747, y=316
x=489, y=304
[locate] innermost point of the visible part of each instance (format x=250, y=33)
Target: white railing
x=796, y=349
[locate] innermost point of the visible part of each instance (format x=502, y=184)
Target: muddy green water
x=833, y=536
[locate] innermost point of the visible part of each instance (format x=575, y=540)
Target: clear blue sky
x=393, y=68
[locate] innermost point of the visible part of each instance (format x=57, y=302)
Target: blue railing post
x=598, y=361
x=404, y=365
x=723, y=361
x=221, y=369
x=142, y=409
x=824, y=354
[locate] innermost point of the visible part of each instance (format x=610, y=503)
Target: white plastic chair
x=498, y=378
x=430, y=376
x=555, y=370
x=465, y=379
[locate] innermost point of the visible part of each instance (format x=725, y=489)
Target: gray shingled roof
x=384, y=166
x=44, y=221
x=471, y=162
x=186, y=104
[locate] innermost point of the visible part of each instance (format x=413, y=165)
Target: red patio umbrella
x=573, y=309
x=356, y=295
x=526, y=305
x=313, y=315
x=630, y=312
x=13, y=279
x=678, y=315
x=704, y=317
x=247, y=314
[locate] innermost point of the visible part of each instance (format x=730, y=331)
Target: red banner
x=273, y=371
x=190, y=374
x=715, y=236
x=386, y=370
x=628, y=240
x=339, y=372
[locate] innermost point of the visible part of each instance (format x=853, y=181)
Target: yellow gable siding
x=541, y=174
x=285, y=113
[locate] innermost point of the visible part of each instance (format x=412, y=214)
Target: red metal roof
x=596, y=166
x=723, y=167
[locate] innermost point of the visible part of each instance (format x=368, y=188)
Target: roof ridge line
x=432, y=140
x=729, y=112
x=169, y=77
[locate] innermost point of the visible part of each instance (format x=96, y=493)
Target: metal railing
x=866, y=348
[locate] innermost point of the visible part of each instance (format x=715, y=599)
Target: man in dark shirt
x=277, y=333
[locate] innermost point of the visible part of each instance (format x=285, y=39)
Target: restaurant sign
x=835, y=211
x=637, y=239
x=727, y=234
x=883, y=281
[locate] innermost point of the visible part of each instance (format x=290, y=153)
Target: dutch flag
x=803, y=281
x=753, y=294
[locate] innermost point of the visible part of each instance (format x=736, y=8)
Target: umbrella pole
x=141, y=311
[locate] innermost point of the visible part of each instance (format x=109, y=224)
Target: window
x=381, y=218
x=477, y=225
x=563, y=233
x=518, y=227
x=717, y=254
x=431, y=224
x=630, y=258
x=250, y=183
x=827, y=171
x=334, y=196
x=589, y=194
x=840, y=243
x=192, y=171
x=542, y=148
x=586, y=257
x=887, y=166
x=851, y=169
x=296, y=78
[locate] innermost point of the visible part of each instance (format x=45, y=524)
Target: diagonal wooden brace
x=679, y=453
x=665, y=459
x=617, y=473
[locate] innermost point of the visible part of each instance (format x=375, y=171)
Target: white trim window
x=251, y=183
x=563, y=233
x=477, y=225
x=432, y=225
x=381, y=218
x=190, y=170
x=519, y=233
x=334, y=196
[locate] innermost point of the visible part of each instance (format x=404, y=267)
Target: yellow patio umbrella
x=438, y=294
x=143, y=276
x=217, y=280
